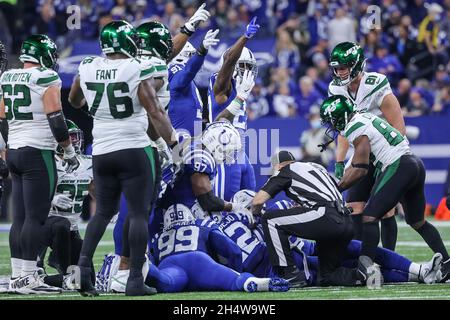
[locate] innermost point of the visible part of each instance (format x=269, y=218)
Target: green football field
x=409, y=244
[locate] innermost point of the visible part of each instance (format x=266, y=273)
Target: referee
x=320, y=215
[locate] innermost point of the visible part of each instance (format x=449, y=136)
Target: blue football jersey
x=185, y=106
x=253, y=250
x=195, y=160
x=180, y=238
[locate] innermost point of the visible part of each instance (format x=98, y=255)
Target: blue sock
x=390, y=275
x=391, y=260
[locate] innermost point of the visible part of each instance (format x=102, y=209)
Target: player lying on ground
x=183, y=251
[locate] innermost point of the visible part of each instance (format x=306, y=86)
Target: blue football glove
x=252, y=28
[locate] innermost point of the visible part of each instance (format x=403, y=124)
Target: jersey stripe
x=378, y=87
x=353, y=128
x=47, y=80
x=147, y=72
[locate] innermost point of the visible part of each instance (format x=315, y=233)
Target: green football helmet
x=350, y=55
x=39, y=48
x=119, y=37
x=336, y=111
x=154, y=40
x=76, y=137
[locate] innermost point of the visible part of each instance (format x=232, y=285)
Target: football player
x=401, y=177
x=394, y=267
x=370, y=92
x=31, y=107
x=182, y=253
x=61, y=227
x=119, y=91
x=221, y=93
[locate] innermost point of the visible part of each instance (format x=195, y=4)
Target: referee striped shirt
x=307, y=183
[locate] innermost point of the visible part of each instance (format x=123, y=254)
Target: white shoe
x=107, y=271
x=119, y=281
x=428, y=270
x=31, y=284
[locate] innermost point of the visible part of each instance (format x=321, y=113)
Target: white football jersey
x=386, y=143
x=371, y=92
x=160, y=72
x=22, y=93
x=75, y=185
x=111, y=91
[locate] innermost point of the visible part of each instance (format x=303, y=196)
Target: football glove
x=339, y=169
x=251, y=28
x=210, y=39
x=201, y=15
x=62, y=201
x=245, y=85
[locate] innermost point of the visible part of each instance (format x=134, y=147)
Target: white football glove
x=70, y=159
x=201, y=15
x=245, y=85
x=165, y=154
x=246, y=215
x=210, y=39
x=62, y=201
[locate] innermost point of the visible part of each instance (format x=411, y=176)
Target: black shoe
x=136, y=287
x=369, y=273
x=295, y=277
x=443, y=273
x=87, y=288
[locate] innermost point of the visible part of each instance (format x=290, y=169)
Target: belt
x=337, y=204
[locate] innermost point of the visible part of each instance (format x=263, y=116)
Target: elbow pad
x=209, y=202
x=4, y=128
x=58, y=126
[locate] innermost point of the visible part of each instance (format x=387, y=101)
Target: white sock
x=16, y=267
x=262, y=283
x=28, y=267
x=414, y=272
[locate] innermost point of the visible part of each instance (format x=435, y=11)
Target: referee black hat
x=281, y=156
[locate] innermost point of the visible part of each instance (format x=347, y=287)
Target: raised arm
x=222, y=86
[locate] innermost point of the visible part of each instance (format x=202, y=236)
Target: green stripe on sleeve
x=47, y=80
x=160, y=68
x=353, y=128
x=378, y=87
x=146, y=72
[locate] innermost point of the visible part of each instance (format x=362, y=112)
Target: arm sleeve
x=382, y=89
x=224, y=247
x=183, y=77
x=276, y=184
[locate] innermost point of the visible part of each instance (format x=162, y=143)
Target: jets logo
x=331, y=108
x=49, y=43
x=159, y=31
x=350, y=51
x=125, y=28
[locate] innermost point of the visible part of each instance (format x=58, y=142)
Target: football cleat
x=136, y=287
x=86, y=288
x=295, y=277
x=31, y=284
x=119, y=281
x=428, y=271
x=443, y=274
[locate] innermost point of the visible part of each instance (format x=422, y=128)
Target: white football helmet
x=201, y=214
x=185, y=54
x=246, y=61
x=177, y=213
x=244, y=198
x=222, y=140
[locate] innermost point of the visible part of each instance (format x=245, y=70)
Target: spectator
x=234, y=26
x=307, y=96
x=340, y=29
x=387, y=64
x=442, y=101
x=258, y=102
x=221, y=14
x=417, y=106
x=371, y=41
x=403, y=91
x=121, y=11
x=283, y=102
x=402, y=45
x=286, y=53
x=312, y=138
x=319, y=84
x=171, y=18
x=416, y=10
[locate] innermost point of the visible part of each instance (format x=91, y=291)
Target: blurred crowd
x=409, y=43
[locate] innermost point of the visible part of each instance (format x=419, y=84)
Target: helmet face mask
x=119, y=37
x=347, y=55
x=76, y=137
x=154, y=40
x=244, y=197
x=246, y=61
x=336, y=112
x=40, y=49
